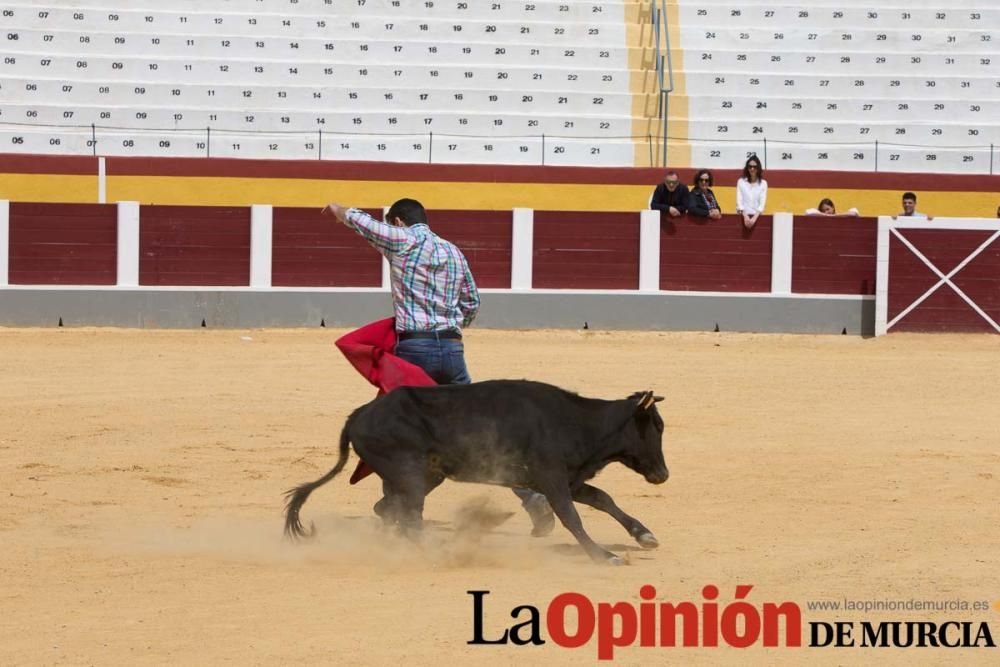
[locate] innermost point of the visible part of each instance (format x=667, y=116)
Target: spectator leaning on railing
x=910, y=208
x=826, y=207
x=751, y=192
x=703, y=203
x=670, y=196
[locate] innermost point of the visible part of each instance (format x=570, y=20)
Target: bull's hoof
x=542, y=518
x=647, y=541
x=616, y=560
x=381, y=508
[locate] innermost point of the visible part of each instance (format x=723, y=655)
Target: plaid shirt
x=432, y=287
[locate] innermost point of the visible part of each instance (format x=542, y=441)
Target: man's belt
x=444, y=334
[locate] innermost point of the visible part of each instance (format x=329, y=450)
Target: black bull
x=513, y=433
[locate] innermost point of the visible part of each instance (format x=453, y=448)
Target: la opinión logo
x=649, y=624
x=573, y=620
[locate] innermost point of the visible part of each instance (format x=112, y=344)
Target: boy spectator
x=910, y=207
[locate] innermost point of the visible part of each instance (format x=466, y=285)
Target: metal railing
x=664, y=67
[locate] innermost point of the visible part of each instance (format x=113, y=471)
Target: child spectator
x=826, y=207
x=910, y=208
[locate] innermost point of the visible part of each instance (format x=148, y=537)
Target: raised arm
x=387, y=239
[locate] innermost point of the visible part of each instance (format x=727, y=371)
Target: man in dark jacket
x=671, y=196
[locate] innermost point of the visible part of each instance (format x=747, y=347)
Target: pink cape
x=369, y=349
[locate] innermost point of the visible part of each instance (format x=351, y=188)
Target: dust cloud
x=473, y=538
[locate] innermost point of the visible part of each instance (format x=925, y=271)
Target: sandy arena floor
x=141, y=477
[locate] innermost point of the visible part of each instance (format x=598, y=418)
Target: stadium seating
x=823, y=84
x=565, y=82
x=509, y=82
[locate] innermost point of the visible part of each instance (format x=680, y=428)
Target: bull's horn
x=647, y=400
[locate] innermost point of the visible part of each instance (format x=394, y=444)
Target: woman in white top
x=751, y=192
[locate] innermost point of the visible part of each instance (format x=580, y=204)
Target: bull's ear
x=657, y=399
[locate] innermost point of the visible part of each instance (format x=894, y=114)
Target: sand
x=142, y=472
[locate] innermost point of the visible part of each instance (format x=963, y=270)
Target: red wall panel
x=586, y=250
x=980, y=280
x=484, y=237
x=715, y=255
x=313, y=250
x=944, y=310
x=833, y=255
x=63, y=244
x=194, y=245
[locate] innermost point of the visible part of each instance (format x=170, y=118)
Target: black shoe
x=540, y=511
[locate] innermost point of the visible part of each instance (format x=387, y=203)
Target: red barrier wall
x=484, y=237
x=194, y=245
x=944, y=309
x=715, y=255
x=312, y=250
x=63, y=244
x=834, y=255
x=586, y=250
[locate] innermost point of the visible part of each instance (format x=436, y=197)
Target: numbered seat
x=858, y=157
x=841, y=86
x=929, y=134
x=15, y=138
x=273, y=78
x=837, y=109
x=226, y=25
x=842, y=15
x=597, y=11
x=805, y=86
x=846, y=62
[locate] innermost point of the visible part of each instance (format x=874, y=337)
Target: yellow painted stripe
x=442, y=195
x=54, y=188
x=447, y=195
x=883, y=202
x=869, y=202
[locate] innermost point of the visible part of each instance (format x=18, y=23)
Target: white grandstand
x=841, y=84
x=485, y=82
x=837, y=85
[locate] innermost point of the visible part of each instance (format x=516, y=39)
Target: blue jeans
x=442, y=359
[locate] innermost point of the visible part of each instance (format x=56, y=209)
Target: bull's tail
x=298, y=496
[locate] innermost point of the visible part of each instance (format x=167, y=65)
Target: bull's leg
x=410, y=485
x=598, y=499
x=388, y=507
x=432, y=480
x=562, y=505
